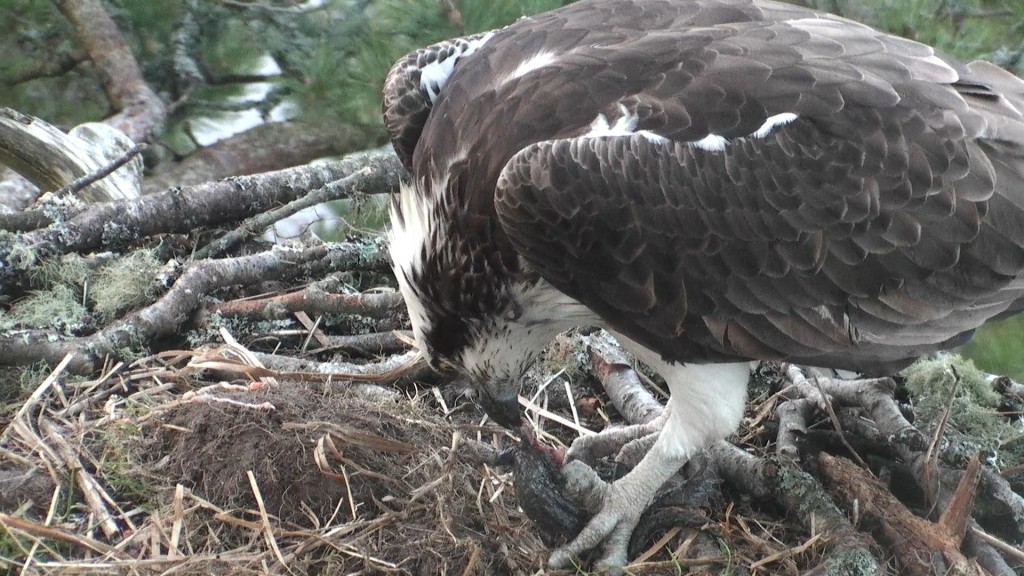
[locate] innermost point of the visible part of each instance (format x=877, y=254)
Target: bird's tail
x=998, y=96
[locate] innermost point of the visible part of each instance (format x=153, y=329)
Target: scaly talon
x=591, y=449
x=613, y=525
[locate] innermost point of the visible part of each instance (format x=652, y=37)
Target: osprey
x=714, y=181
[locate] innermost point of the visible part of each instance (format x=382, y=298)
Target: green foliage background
x=333, y=60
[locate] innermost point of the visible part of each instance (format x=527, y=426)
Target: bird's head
x=472, y=305
x=493, y=351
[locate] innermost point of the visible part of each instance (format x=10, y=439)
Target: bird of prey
x=715, y=182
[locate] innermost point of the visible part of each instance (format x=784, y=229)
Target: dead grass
x=245, y=477
x=158, y=468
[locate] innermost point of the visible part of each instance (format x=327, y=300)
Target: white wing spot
x=773, y=122
x=532, y=63
x=652, y=137
x=624, y=125
x=717, y=143
x=599, y=127
x=711, y=143
x=435, y=75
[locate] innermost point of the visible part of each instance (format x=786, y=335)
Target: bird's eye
x=441, y=365
x=514, y=312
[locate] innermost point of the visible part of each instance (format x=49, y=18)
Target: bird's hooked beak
x=500, y=400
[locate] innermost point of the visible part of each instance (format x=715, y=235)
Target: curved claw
x=621, y=503
x=613, y=526
x=618, y=508
x=634, y=451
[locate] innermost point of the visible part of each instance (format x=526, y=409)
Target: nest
x=206, y=461
x=171, y=473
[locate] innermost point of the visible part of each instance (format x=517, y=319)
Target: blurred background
x=239, y=68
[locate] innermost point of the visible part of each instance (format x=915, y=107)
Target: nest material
x=238, y=477
x=153, y=468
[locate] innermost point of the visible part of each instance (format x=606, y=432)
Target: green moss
x=973, y=416
x=70, y=269
x=21, y=257
x=33, y=375
x=123, y=284
x=853, y=563
x=58, y=307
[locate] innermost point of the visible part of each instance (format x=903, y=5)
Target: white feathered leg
x=706, y=405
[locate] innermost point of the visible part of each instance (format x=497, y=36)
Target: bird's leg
x=706, y=405
x=634, y=451
x=593, y=448
x=622, y=502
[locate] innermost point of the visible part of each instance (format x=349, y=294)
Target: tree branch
x=61, y=64
x=51, y=159
x=167, y=314
x=140, y=109
x=920, y=546
x=313, y=300
x=113, y=225
x=271, y=146
x=380, y=174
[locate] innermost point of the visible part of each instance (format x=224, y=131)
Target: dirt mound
x=329, y=458
x=209, y=447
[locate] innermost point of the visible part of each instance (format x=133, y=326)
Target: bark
x=921, y=547
x=615, y=371
x=53, y=160
x=399, y=369
x=1006, y=386
x=139, y=109
x=266, y=147
x=378, y=175
x=889, y=431
x=165, y=316
x=793, y=416
x=373, y=344
x=314, y=300
x=114, y=225
x=801, y=494
x=24, y=221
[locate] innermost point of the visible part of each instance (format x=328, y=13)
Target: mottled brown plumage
x=853, y=236
x=713, y=180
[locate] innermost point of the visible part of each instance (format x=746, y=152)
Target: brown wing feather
x=887, y=220
x=871, y=265
x=406, y=103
